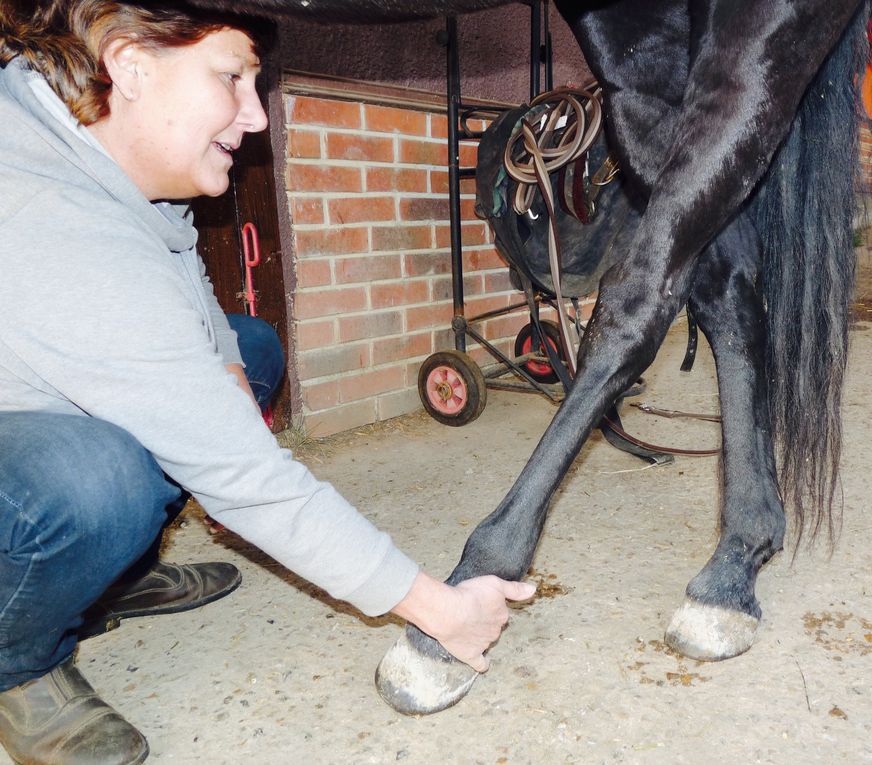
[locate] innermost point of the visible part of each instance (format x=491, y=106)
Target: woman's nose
x=252, y=115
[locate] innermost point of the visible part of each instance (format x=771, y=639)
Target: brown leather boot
x=58, y=719
x=165, y=589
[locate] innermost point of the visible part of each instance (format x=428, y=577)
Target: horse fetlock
x=417, y=676
x=710, y=633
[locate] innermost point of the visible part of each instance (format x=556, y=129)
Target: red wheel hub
x=446, y=390
x=537, y=367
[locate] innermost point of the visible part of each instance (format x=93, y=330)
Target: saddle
x=593, y=216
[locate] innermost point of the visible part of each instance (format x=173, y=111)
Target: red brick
x=506, y=326
x=304, y=143
x=476, y=306
x=313, y=273
x=498, y=281
x=330, y=361
x=331, y=241
x=471, y=234
x=369, y=325
x=424, y=208
x=442, y=288
x=313, y=334
x=478, y=126
x=423, y=152
x=439, y=126
x=368, y=268
x=367, y=384
x=317, y=303
x=360, y=148
x=332, y=421
x=482, y=260
x=484, y=358
x=468, y=154
x=399, y=293
x=401, y=238
x=443, y=340
x=587, y=306
x=414, y=367
x=467, y=209
x=321, y=395
x=389, y=119
x=361, y=209
x=305, y=210
x=323, y=178
x=398, y=403
x=427, y=263
x=396, y=179
x=397, y=348
x=439, y=183
x=305, y=110
x=429, y=316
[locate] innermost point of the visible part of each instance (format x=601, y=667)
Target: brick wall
x=368, y=194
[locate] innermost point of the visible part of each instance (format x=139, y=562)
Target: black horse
x=735, y=123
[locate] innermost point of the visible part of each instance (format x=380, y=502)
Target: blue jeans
x=81, y=503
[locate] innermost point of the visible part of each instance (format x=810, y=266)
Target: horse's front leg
x=720, y=615
x=637, y=303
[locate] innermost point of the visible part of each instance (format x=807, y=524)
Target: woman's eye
x=233, y=77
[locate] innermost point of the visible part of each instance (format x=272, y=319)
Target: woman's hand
x=467, y=618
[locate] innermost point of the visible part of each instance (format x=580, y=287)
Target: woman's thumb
x=519, y=590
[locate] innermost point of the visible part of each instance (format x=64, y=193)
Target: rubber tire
x=468, y=378
x=552, y=334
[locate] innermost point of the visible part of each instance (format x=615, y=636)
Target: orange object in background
x=866, y=85
x=866, y=91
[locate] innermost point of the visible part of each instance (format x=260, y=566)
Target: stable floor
x=279, y=673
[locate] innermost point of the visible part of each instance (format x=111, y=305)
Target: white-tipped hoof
x=710, y=633
x=415, y=684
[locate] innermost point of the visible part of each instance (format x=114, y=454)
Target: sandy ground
x=279, y=673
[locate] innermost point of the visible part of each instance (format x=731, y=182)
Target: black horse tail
x=804, y=211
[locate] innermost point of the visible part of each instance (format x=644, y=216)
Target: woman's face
x=178, y=114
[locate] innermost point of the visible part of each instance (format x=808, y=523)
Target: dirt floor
x=279, y=673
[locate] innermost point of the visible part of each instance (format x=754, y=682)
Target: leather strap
x=576, y=116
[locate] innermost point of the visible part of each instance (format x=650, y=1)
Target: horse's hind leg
x=720, y=615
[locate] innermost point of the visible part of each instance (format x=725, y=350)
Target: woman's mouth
x=224, y=148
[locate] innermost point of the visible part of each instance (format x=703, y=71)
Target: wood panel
x=251, y=197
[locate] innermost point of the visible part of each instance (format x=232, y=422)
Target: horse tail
x=804, y=211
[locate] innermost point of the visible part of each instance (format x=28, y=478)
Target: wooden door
x=219, y=221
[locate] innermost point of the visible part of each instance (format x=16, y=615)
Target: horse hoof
x=416, y=684
x=710, y=633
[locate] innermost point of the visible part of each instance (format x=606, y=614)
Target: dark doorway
x=219, y=221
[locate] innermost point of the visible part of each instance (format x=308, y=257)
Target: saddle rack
x=452, y=387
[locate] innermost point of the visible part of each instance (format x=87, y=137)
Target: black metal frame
x=458, y=114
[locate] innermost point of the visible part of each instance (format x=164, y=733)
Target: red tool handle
x=251, y=257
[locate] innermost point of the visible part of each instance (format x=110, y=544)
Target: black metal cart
x=452, y=387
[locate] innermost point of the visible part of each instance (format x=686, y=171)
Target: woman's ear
x=124, y=61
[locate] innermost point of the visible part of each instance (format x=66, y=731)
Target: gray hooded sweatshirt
x=105, y=311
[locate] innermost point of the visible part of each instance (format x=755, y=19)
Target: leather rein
x=560, y=139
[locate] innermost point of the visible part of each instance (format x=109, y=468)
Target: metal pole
x=535, y=47
x=549, y=68
x=454, y=183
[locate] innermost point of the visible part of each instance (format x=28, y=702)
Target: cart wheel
x=541, y=371
x=452, y=388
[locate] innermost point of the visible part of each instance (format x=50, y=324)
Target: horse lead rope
x=530, y=171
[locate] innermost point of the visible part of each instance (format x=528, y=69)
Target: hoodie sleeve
x=108, y=322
